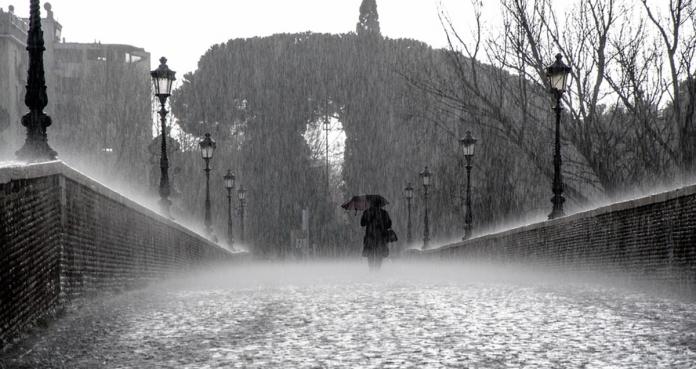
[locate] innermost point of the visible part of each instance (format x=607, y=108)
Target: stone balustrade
x=64, y=235
x=651, y=239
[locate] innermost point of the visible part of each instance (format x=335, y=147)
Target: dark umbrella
x=362, y=202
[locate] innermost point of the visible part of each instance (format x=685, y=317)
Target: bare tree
x=678, y=40
x=616, y=131
x=636, y=80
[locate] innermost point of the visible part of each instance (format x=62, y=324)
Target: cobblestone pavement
x=340, y=316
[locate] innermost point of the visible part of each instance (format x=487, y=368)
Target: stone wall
x=650, y=239
x=63, y=235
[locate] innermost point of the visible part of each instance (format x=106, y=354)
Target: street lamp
x=229, y=185
x=35, y=146
x=557, y=74
x=408, y=194
x=162, y=79
x=468, y=144
x=327, y=128
x=242, y=203
x=425, y=176
x=207, y=150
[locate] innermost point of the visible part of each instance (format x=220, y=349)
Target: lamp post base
x=36, y=150
x=557, y=211
x=165, y=204
x=467, y=232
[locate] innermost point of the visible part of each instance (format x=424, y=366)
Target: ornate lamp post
x=229, y=185
x=242, y=203
x=425, y=176
x=207, y=150
x=408, y=194
x=468, y=144
x=557, y=74
x=36, y=121
x=162, y=79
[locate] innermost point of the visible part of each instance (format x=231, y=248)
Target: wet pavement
x=337, y=315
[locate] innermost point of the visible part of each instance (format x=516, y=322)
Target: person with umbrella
x=377, y=225
x=377, y=228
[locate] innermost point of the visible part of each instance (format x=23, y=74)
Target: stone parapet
x=64, y=235
x=650, y=239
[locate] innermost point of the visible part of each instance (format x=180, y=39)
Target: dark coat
x=376, y=222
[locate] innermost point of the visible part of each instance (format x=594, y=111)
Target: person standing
x=377, y=224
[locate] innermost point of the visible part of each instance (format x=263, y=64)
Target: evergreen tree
x=368, y=23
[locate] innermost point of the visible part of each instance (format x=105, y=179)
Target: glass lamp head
x=229, y=180
x=408, y=191
x=207, y=147
x=426, y=177
x=162, y=79
x=557, y=73
x=468, y=144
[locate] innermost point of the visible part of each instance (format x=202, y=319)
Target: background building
x=99, y=98
x=13, y=75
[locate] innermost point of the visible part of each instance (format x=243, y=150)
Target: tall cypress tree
x=368, y=23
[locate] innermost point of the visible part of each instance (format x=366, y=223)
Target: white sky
x=183, y=30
